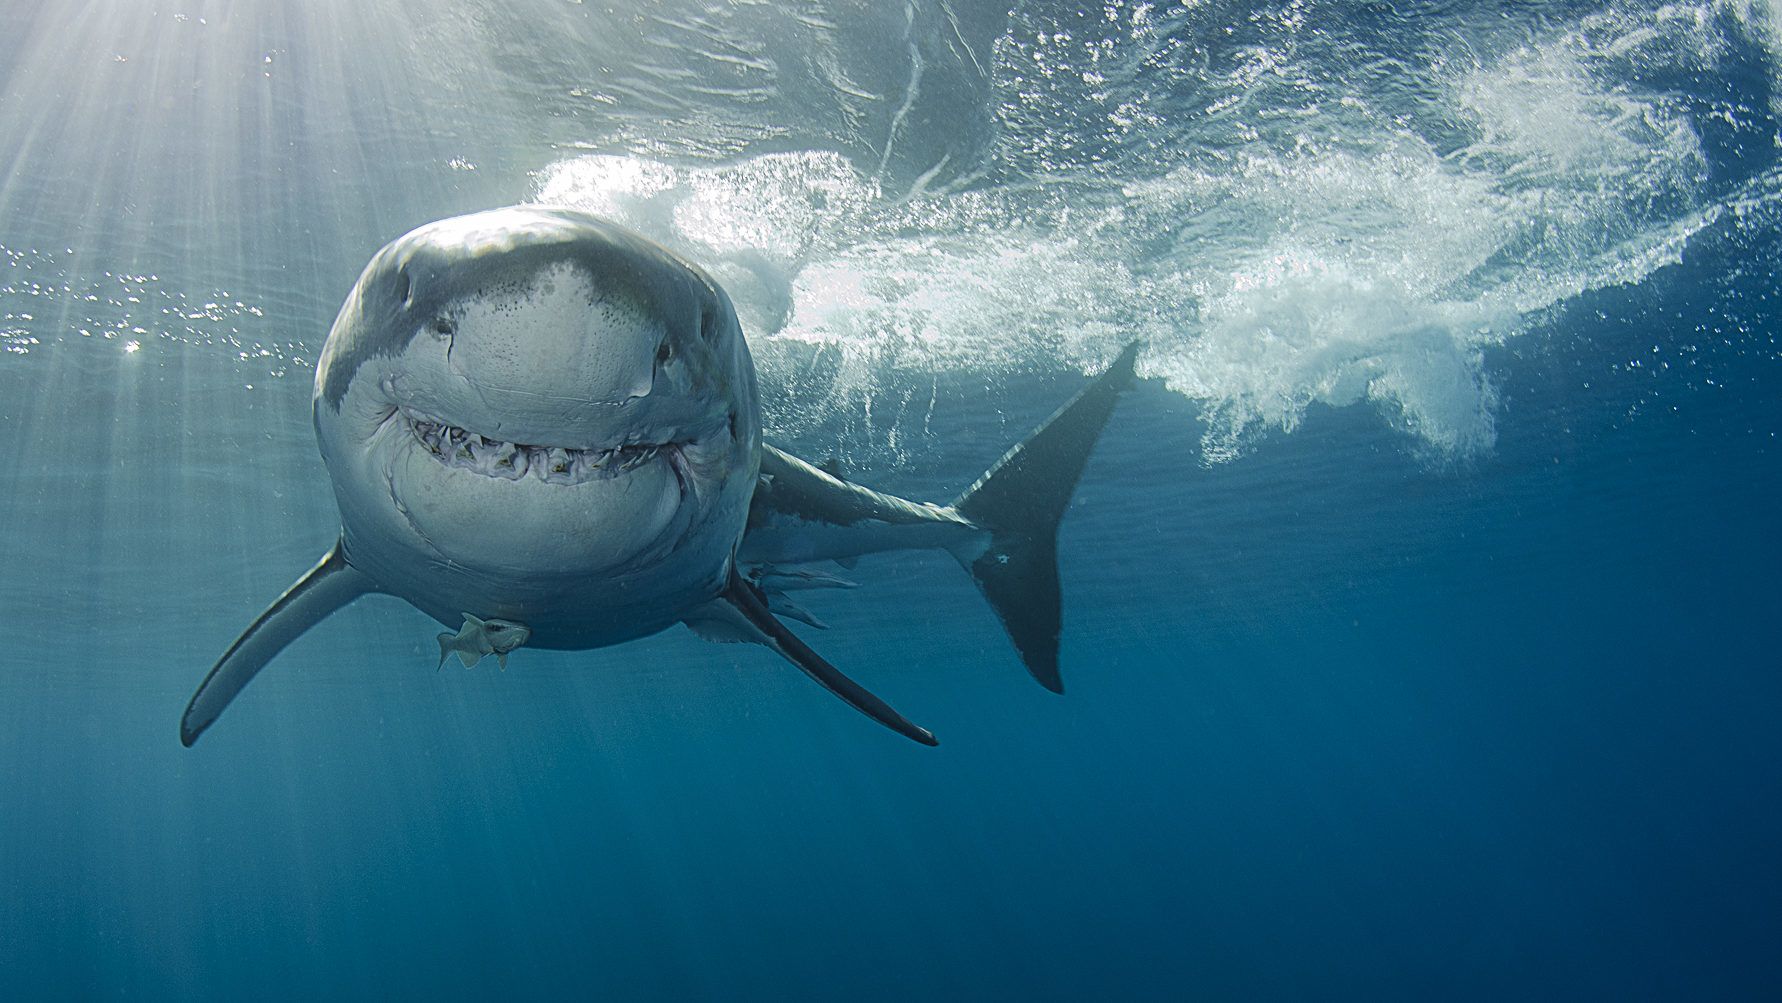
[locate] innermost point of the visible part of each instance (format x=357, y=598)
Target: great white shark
x=543, y=430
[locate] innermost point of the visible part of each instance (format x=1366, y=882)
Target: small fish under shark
x=543, y=430
x=479, y=638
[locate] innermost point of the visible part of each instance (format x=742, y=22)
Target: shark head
x=529, y=397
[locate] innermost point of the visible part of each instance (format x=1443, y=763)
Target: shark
x=544, y=430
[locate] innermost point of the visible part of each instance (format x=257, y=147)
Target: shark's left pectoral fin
x=328, y=586
x=741, y=614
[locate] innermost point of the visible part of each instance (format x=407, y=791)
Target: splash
x=1376, y=265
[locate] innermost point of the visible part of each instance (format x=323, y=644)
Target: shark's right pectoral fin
x=741, y=614
x=327, y=587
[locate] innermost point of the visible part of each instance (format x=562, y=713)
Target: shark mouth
x=456, y=447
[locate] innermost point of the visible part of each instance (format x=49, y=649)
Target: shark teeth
x=456, y=447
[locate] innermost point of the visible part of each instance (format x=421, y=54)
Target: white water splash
x=1374, y=269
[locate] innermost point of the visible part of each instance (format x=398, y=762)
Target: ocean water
x=1421, y=602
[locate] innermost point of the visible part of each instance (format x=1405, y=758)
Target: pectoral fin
x=328, y=586
x=752, y=619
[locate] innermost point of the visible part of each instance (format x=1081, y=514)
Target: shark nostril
x=402, y=287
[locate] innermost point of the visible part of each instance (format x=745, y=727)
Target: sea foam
x=1375, y=266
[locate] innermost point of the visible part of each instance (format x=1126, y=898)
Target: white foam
x=1299, y=329
x=779, y=205
x=1369, y=269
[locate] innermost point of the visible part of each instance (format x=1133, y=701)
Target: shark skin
x=543, y=430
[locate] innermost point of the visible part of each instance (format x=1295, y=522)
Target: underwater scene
x=1386, y=606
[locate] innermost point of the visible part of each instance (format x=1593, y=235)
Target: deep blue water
x=1421, y=600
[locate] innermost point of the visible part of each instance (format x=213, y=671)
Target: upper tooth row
x=457, y=447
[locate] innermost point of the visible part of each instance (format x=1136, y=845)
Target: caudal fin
x=1021, y=499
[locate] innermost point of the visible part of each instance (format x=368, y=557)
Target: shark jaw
x=600, y=499
x=466, y=450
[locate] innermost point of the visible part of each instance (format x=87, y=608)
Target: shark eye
x=664, y=353
x=443, y=326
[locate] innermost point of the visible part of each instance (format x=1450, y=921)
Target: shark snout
x=552, y=367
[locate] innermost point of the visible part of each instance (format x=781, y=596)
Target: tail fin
x=1021, y=499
